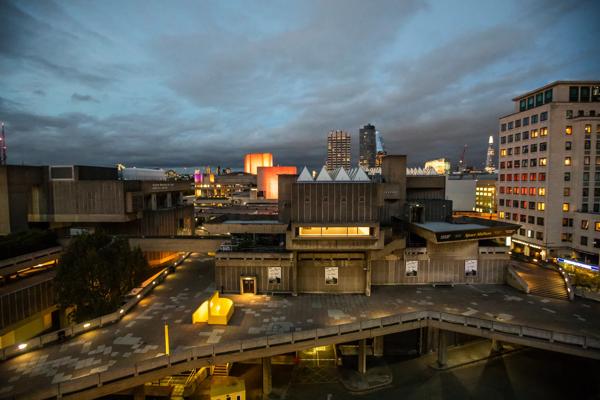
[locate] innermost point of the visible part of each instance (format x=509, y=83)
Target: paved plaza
x=139, y=334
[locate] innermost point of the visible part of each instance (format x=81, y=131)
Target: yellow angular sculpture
x=215, y=311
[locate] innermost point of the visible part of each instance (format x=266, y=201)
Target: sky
x=178, y=83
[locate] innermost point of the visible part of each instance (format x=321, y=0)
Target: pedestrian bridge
x=188, y=244
x=116, y=380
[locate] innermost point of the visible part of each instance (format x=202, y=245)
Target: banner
x=274, y=275
x=470, y=267
x=331, y=275
x=412, y=267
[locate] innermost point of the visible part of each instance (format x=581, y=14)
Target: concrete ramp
x=542, y=281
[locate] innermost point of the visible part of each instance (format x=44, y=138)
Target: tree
x=95, y=272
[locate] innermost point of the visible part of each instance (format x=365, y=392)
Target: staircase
x=544, y=282
x=221, y=369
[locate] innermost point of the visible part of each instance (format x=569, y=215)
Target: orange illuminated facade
x=255, y=160
x=267, y=180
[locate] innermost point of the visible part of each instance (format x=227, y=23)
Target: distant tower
x=489, y=161
x=338, y=150
x=367, y=146
x=3, y=147
x=380, y=149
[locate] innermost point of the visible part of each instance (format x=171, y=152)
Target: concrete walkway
x=139, y=335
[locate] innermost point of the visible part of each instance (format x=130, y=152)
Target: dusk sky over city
x=153, y=83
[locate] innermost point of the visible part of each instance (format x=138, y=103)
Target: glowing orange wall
x=255, y=160
x=267, y=180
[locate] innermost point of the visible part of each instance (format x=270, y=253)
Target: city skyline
x=83, y=86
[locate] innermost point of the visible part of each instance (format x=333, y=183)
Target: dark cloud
x=84, y=98
x=39, y=92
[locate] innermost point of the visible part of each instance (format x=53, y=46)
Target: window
x=539, y=235
x=510, y=125
x=567, y=176
x=524, y=177
x=543, y=146
x=517, y=137
x=530, y=219
x=517, y=150
x=501, y=189
x=584, y=94
x=565, y=222
x=510, y=138
x=587, y=144
x=503, y=153
x=518, y=123
x=530, y=103
x=586, y=176
x=525, y=149
x=573, y=93
x=548, y=96
x=526, y=134
x=523, y=218
x=533, y=162
x=544, y=132
x=542, y=176
x=501, y=202
x=543, y=162
x=502, y=164
x=568, y=130
x=334, y=231
x=585, y=192
x=544, y=116
x=523, y=190
x=503, y=140
x=510, y=151
x=569, y=114
x=585, y=224
x=532, y=191
x=588, y=129
x=597, y=226
x=597, y=160
x=517, y=163
x=525, y=121
x=503, y=127
x=523, y=105
x=534, y=133
x=583, y=240
x=584, y=207
x=541, y=191
x=534, y=119
x=566, y=191
x=529, y=233
x=531, y=205
x=539, y=99
x=541, y=206
x=540, y=221
x=568, y=161
x=566, y=237
x=516, y=177
x=565, y=207
x=524, y=163
x=533, y=148
x=568, y=145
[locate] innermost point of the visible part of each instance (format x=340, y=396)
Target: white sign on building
x=412, y=267
x=331, y=275
x=470, y=267
x=274, y=275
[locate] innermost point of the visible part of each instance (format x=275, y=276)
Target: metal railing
x=366, y=328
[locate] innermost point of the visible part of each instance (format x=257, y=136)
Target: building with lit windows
x=549, y=171
x=367, y=143
x=440, y=165
x=254, y=160
x=338, y=150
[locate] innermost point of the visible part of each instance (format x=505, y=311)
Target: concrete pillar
x=442, y=349
x=294, y=273
x=378, y=346
x=267, y=378
x=362, y=356
x=496, y=346
x=169, y=200
x=153, y=203
x=368, y=275
x=430, y=339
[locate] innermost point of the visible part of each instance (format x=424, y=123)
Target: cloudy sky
x=175, y=83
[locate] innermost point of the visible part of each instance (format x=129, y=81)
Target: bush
x=95, y=272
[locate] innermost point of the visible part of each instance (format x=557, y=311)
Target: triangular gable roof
x=360, y=176
x=323, y=176
x=342, y=176
x=305, y=176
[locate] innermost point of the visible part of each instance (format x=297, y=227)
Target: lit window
x=534, y=133
x=567, y=161
x=565, y=207
x=541, y=206
x=588, y=129
x=569, y=130
x=585, y=224
x=542, y=191
x=503, y=153
x=566, y=191
x=334, y=231
x=543, y=161
x=544, y=132
x=597, y=226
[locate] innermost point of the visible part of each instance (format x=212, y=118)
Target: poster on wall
x=274, y=275
x=331, y=275
x=412, y=267
x=470, y=267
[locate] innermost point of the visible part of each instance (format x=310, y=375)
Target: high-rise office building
x=338, y=150
x=549, y=176
x=367, y=147
x=490, y=157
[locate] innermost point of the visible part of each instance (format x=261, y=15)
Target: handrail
x=565, y=277
x=86, y=326
x=8, y=262
x=310, y=337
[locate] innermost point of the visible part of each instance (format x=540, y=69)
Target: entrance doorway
x=247, y=285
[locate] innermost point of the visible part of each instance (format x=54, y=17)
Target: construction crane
x=461, y=162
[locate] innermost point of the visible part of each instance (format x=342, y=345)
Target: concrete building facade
x=367, y=136
x=549, y=176
x=338, y=150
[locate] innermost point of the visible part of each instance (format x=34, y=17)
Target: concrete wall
x=462, y=193
x=351, y=272
x=229, y=266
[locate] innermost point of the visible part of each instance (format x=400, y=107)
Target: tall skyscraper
x=367, y=147
x=380, y=149
x=489, y=160
x=338, y=150
x=549, y=175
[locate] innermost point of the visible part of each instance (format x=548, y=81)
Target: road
x=139, y=334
